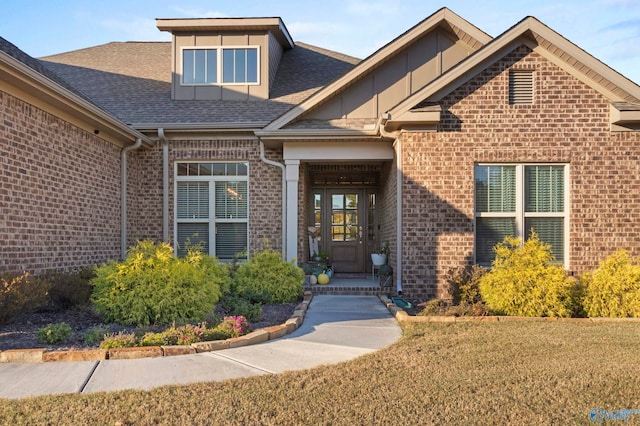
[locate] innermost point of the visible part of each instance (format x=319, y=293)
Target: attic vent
x=520, y=87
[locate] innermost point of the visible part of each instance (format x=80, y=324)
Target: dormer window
x=205, y=66
x=240, y=65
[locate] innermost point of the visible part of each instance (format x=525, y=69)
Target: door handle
x=360, y=234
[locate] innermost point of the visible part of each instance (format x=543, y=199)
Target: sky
x=607, y=29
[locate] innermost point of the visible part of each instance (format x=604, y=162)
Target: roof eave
x=443, y=15
x=28, y=80
x=275, y=25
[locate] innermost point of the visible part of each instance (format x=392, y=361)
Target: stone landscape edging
x=256, y=336
x=402, y=316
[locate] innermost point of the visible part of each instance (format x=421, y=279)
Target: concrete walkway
x=335, y=329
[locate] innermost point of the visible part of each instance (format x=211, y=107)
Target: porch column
x=292, y=173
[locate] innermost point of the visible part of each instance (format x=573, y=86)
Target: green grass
x=453, y=373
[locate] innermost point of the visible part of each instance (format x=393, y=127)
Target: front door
x=345, y=242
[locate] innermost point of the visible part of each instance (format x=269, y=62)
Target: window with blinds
x=510, y=200
x=521, y=87
x=212, y=209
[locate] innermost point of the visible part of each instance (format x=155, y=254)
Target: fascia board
x=29, y=80
x=502, y=45
x=378, y=57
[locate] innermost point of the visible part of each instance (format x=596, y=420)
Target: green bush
x=463, y=284
x=613, y=290
x=54, y=333
x=152, y=286
x=119, y=340
x=21, y=292
x=267, y=275
x=235, y=305
x=523, y=281
x=94, y=335
x=69, y=289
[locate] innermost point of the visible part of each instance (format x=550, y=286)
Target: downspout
x=123, y=195
x=284, y=196
x=165, y=185
x=397, y=146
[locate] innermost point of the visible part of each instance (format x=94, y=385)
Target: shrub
x=54, y=333
x=69, y=289
x=118, y=340
x=523, y=281
x=233, y=326
x=236, y=305
x=267, y=275
x=152, y=286
x=94, y=335
x=21, y=292
x=463, y=284
x=613, y=290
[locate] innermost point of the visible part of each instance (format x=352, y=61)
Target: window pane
x=228, y=65
x=243, y=169
x=192, y=234
x=551, y=231
x=231, y=241
x=252, y=65
x=231, y=200
x=337, y=201
x=212, y=66
x=199, y=66
x=240, y=66
x=495, y=188
x=193, y=200
x=188, y=66
x=544, y=189
x=489, y=232
x=183, y=170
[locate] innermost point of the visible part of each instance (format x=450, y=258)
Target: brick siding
x=145, y=188
x=59, y=192
x=568, y=123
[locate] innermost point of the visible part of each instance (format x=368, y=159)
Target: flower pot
x=378, y=259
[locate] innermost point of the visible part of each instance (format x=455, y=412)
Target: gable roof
x=466, y=32
x=31, y=76
x=132, y=80
x=542, y=39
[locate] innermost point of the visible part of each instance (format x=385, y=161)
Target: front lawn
x=438, y=373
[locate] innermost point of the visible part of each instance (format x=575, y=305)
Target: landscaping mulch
x=19, y=332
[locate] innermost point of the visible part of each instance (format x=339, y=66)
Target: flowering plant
x=234, y=326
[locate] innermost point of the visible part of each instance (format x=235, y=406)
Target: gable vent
x=521, y=87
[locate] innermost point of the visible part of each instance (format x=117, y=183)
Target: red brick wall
x=59, y=192
x=145, y=187
x=568, y=123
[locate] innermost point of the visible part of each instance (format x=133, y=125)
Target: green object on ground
x=402, y=303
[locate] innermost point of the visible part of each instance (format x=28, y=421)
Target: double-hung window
x=511, y=200
x=223, y=65
x=212, y=208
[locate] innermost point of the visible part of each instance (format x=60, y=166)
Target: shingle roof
x=132, y=80
x=36, y=65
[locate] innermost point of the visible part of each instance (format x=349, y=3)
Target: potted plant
x=379, y=257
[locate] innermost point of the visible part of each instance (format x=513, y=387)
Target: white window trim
x=219, y=55
x=212, y=212
x=520, y=214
